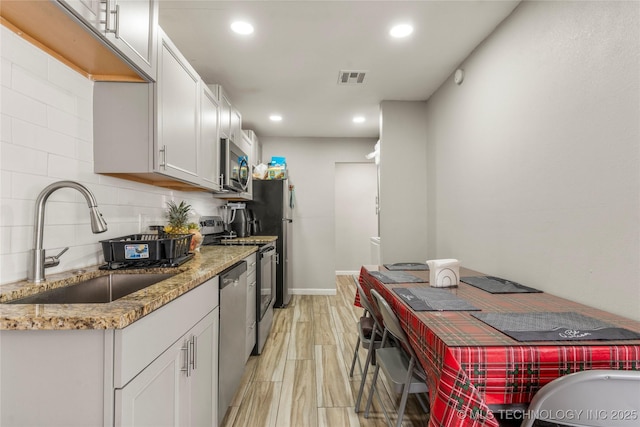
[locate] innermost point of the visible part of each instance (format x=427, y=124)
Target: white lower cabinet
x=178, y=388
x=162, y=370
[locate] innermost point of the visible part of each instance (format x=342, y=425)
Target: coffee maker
x=240, y=222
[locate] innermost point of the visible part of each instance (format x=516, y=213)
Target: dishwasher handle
x=232, y=274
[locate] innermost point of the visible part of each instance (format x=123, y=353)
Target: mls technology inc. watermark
x=563, y=414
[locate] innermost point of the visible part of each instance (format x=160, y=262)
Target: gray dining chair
x=399, y=364
x=595, y=398
x=369, y=336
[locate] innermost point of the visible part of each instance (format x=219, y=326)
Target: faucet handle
x=52, y=261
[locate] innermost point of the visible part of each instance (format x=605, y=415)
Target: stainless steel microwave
x=234, y=166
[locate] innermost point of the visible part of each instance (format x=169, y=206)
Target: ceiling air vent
x=351, y=77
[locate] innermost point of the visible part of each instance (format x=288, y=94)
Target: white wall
x=534, y=165
x=356, y=220
x=403, y=182
x=311, y=163
x=46, y=135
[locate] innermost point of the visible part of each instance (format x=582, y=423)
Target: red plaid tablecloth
x=470, y=365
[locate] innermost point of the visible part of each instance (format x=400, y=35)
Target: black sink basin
x=101, y=289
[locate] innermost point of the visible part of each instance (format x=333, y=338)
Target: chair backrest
x=595, y=398
x=391, y=322
x=364, y=300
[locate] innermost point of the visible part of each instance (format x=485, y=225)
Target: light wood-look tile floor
x=301, y=379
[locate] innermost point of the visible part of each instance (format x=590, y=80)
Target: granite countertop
x=209, y=262
x=251, y=240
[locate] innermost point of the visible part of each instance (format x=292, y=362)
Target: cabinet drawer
x=137, y=345
x=251, y=264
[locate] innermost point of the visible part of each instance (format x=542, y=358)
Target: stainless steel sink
x=101, y=289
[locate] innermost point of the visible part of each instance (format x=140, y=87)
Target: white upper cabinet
x=225, y=112
x=163, y=133
x=178, y=110
x=209, y=164
x=128, y=27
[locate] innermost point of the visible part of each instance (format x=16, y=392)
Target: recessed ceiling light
x=359, y=119
x=401, y=30
x=242, y=27
x=275, y=118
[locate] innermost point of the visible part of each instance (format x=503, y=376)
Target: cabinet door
x=179, y=388
x=203, y=382
x=156, y=397
x=131, y=28
x=209, y=143
x=225, y=114
x=236, y=126
x=178, y=100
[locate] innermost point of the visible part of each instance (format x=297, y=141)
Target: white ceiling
x=290, y=64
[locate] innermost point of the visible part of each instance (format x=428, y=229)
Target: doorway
x=355, y=215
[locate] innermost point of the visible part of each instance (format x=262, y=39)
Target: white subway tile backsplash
x=84, y=150
x=70, y=80
x=6, y=179
x=5, y=73
x=5, y=128
x=23, y=159
x=69, y=124
x=44, y=139
x=14, y=267
x=65, y=168
x=35, y=87
x=58, y=236
x=22, y=53
x=40, y=138
x=85, y=109
x=17, y=105
x=21, y=238
x=5, y=240
x=15, y=212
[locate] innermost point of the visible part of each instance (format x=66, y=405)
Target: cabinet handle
x=116, y=31
x=187, y=359
x=108, y=14
x=163, y=163
x=194, y=352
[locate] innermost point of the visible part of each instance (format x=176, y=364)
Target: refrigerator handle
x=287, y=220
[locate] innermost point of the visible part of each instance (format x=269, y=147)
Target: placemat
x=396, y=277
x=563, y=326
x=407, y=266
x=496, y=285
x=431, y=299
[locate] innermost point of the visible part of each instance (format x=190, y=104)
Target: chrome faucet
x=37, y=259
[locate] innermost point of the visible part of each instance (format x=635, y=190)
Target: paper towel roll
x=444, y=273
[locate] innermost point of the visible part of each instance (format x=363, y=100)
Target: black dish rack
x=147, y=250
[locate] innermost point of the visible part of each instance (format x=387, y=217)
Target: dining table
x=474, y=371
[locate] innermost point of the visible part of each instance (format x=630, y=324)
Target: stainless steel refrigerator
x=272, y=207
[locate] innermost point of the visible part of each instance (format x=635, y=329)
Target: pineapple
x=178, y=218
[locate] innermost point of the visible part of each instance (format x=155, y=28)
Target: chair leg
x=371, y=391
x=355, y=356
x=425, y=407
x=370, y=354
x=405, y=392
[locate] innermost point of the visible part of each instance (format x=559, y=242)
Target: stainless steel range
x=213, y=231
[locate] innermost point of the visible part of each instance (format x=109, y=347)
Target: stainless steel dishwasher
x=233, y=309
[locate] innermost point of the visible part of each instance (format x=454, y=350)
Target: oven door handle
x=267, y=252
